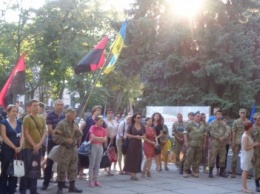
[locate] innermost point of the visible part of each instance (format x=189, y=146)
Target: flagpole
x=94, y=85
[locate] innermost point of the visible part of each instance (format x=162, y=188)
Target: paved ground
x=163, y=183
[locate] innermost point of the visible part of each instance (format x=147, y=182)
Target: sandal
x=247, y=191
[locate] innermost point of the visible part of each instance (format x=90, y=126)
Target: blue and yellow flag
x=116, y=48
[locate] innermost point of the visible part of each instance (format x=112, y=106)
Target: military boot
x=257, y=186
x=222, y=172
x=211, y=172
x=194, y=173
x=73, y=188
x=233, y=175
x=60, y=186
x=185, y=174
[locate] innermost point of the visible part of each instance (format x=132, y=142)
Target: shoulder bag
x=125, y=142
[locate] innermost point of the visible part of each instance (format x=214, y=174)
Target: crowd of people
x=32, y=134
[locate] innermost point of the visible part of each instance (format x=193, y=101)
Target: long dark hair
x=160, y=121
x=133, y=118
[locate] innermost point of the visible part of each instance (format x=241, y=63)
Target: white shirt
x=111, y=127
x=123, y=125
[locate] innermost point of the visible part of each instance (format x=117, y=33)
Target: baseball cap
x=191, y=113
x=256, y=115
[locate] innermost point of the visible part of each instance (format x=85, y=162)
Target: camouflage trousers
x=235, y=151
x=221, y=152
x=193, y=157
x=256, y=167
x=178, y=149
x=67, y=164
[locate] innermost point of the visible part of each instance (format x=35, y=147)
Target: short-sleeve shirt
x=111, y=127
x=238, y=128
x=178, y=127
x=98, y=132
x=256, y=138
x=30, y=126
x=196, y=132
x=53, y=119
x=12, y=134
x=165, y=133
x=158, y=129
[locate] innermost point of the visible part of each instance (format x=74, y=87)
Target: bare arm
x=99, y=139
x=149, y=141
x=134, y=136
x=186, y=140
x=6, y=140
x=160, y=135
x=50, y=129
x=248, y=147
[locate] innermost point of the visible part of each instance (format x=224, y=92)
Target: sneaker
x=97, y=184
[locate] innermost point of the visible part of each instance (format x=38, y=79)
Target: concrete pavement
x=163, y=183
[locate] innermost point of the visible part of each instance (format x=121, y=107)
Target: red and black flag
x=94, y=59
x=15, y=84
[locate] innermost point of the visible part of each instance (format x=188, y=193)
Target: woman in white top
x=247, y=151
x=112, y=130
x=121, y=136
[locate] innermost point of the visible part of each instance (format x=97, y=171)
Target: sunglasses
x=118, y=116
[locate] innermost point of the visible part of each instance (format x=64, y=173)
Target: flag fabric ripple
x=116, y=48
x=94, y=59
x=14, y=85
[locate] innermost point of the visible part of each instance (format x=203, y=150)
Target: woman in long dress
x=133, y=160
x=247, y=151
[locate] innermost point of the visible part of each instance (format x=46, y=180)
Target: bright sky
x=11, y=16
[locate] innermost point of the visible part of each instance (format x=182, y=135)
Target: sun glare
x=188, y=8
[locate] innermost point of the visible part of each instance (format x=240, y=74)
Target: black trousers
x=8, y=184
x=49, y=164
x=25, y=181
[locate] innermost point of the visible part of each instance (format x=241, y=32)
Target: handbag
x=85, y=148
x=35, y=167
x=157, y=149
x=125, y=143
x=16, y=167
x=111, y=152
x=105, y=161
x=53, y=155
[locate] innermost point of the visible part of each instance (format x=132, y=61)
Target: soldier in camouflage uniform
x=194, y=139
x=218, y=134
x=66, y=135
x=204, y=160
x=177, y=132
x=256, y=138
x=237, y=132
